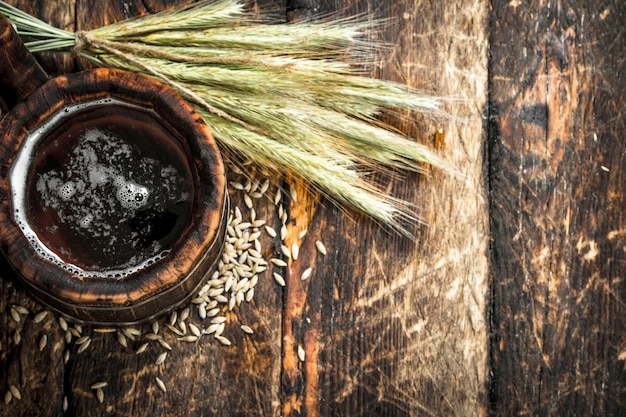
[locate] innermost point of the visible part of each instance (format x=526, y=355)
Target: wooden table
x=509, y=302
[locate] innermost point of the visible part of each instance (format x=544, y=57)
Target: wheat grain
x=39, y=317
x=160, y=359
x=306, y=274
x=21, y=309
x=81, y=348
x=279, y=279
x=100, y=395
x=43, y=341
x=15, y=392
x=99, y=384
x=321, y=248
x=160, y=384
x=15, y=315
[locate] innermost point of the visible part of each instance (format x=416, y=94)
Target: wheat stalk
x=288, y=97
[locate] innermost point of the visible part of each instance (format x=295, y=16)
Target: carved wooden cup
x=113, y=202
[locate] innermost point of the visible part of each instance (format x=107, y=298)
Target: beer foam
x=103, y=184
x=132, y=196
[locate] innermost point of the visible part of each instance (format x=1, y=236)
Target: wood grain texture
x=557, y=201
x=396, y=327
x=389, y=326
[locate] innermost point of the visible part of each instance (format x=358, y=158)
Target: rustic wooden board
x=556, y=178
x=389, y=326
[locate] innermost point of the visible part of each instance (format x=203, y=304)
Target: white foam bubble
x=132, y=196
x=66, y=191
x=86, y=221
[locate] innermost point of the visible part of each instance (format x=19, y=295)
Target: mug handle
x=20, y=73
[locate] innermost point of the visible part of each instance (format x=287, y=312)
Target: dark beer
x=108, y=189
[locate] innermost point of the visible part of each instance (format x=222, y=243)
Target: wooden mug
x=113, y=201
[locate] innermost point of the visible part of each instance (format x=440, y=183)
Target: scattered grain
x=174, y=329
x=301, y=354
x=100, y=395
x=283, y=232
x=39, y=317
x=160, y=384
x=99, y=384
x=164, y=344
x=63, y=324
x=218, y=320
x=236, y=185
x=17, y=337
x=321, y=248
x=15, y=315
x=152, y=336
x=161, y=358
x=184, y=315
x=132, y=332
x=211, y=329
x=142, y=348
x=194, y=329
x=188, y=339
x=278, y=262
x=306, y=274
x=83, y=339
x=43, y=341
x=278, y=197
x=105, y=330
x=202, y=311
x=223, y=340
x=173, y=318
x=21, y=309
x=247, y=329
x=15, y=392
x=248, y=201
x=302, y=234
x=155, y=327
x=249, y=295
x=220, y=329
x=65, y=403
x=264, y=186
x=122, y=339
x=8, y=397
x=279, y=279
x=66, y=355
x=82, y=347
x=293, y=193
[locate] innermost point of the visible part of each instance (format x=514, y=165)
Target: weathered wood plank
x=388, y=326
x=557, y=197
x=395, y=327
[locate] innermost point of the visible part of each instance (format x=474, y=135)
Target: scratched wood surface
x=508, y=303
x=556, y=153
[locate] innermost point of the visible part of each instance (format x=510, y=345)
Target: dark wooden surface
x=556, y=178
x=509, y=302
